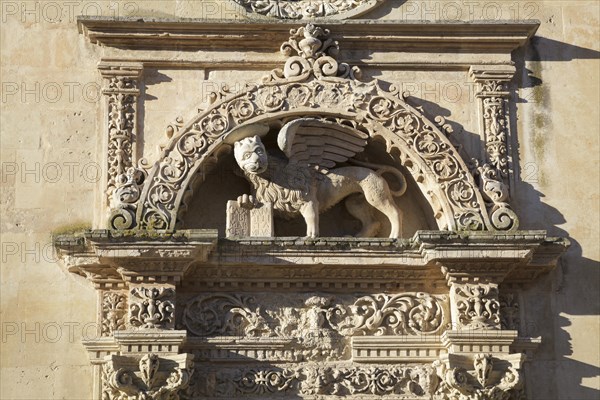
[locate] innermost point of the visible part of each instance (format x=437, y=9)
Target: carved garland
x=313, y=83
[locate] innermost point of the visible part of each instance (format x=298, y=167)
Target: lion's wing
x=310, y=141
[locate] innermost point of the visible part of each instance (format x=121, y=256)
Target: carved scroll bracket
x=494, y=168
x=122, y=85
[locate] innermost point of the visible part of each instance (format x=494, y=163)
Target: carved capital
x=492, y=80
x=479, y=377
x=149, y=377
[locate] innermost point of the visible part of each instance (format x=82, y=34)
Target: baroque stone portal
x=195, y=314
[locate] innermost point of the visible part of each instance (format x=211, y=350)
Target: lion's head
x=251, y=155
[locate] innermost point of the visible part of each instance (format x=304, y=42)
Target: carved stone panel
x=257, y=222
x=152, y=307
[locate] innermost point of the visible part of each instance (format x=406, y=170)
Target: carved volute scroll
x=124, y=178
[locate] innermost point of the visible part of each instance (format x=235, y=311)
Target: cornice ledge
x=198, y=34
x=516, y=257
x=110, y=257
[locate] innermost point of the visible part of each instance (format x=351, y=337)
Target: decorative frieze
x=369, y=382
x=287, y=315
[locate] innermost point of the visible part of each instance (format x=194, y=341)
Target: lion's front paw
x=246, y=201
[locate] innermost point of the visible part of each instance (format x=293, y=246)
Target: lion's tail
x=384, y=169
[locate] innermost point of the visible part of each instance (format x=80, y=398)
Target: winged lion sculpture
x=307, y=182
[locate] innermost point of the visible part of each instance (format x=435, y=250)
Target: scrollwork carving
x=223, y=314
x=318, y=326
x=317, y=380
x=394, y=315
x=496, y=195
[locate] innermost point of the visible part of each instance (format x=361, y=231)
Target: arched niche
x=206, y=207
x=313, y=84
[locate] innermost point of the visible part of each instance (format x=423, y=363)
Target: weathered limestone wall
x=51, y=154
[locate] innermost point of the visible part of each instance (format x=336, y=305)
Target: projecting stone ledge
x=113, y=258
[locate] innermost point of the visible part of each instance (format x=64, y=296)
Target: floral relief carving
x=149, y=382
x=151, y=307
x=495, y=132
x=223, y=314
x=383, y=314
x=477, y=305
x=114, y=312
x=298, y=9
x=121, y=92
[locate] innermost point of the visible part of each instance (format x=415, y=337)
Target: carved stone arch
x=312, y=82
x=425, y=150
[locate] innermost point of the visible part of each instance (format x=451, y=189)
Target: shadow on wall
x=574, y=283
x=545, y=49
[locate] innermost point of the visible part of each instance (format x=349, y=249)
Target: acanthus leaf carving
x=316, y=380
x=510, y=317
